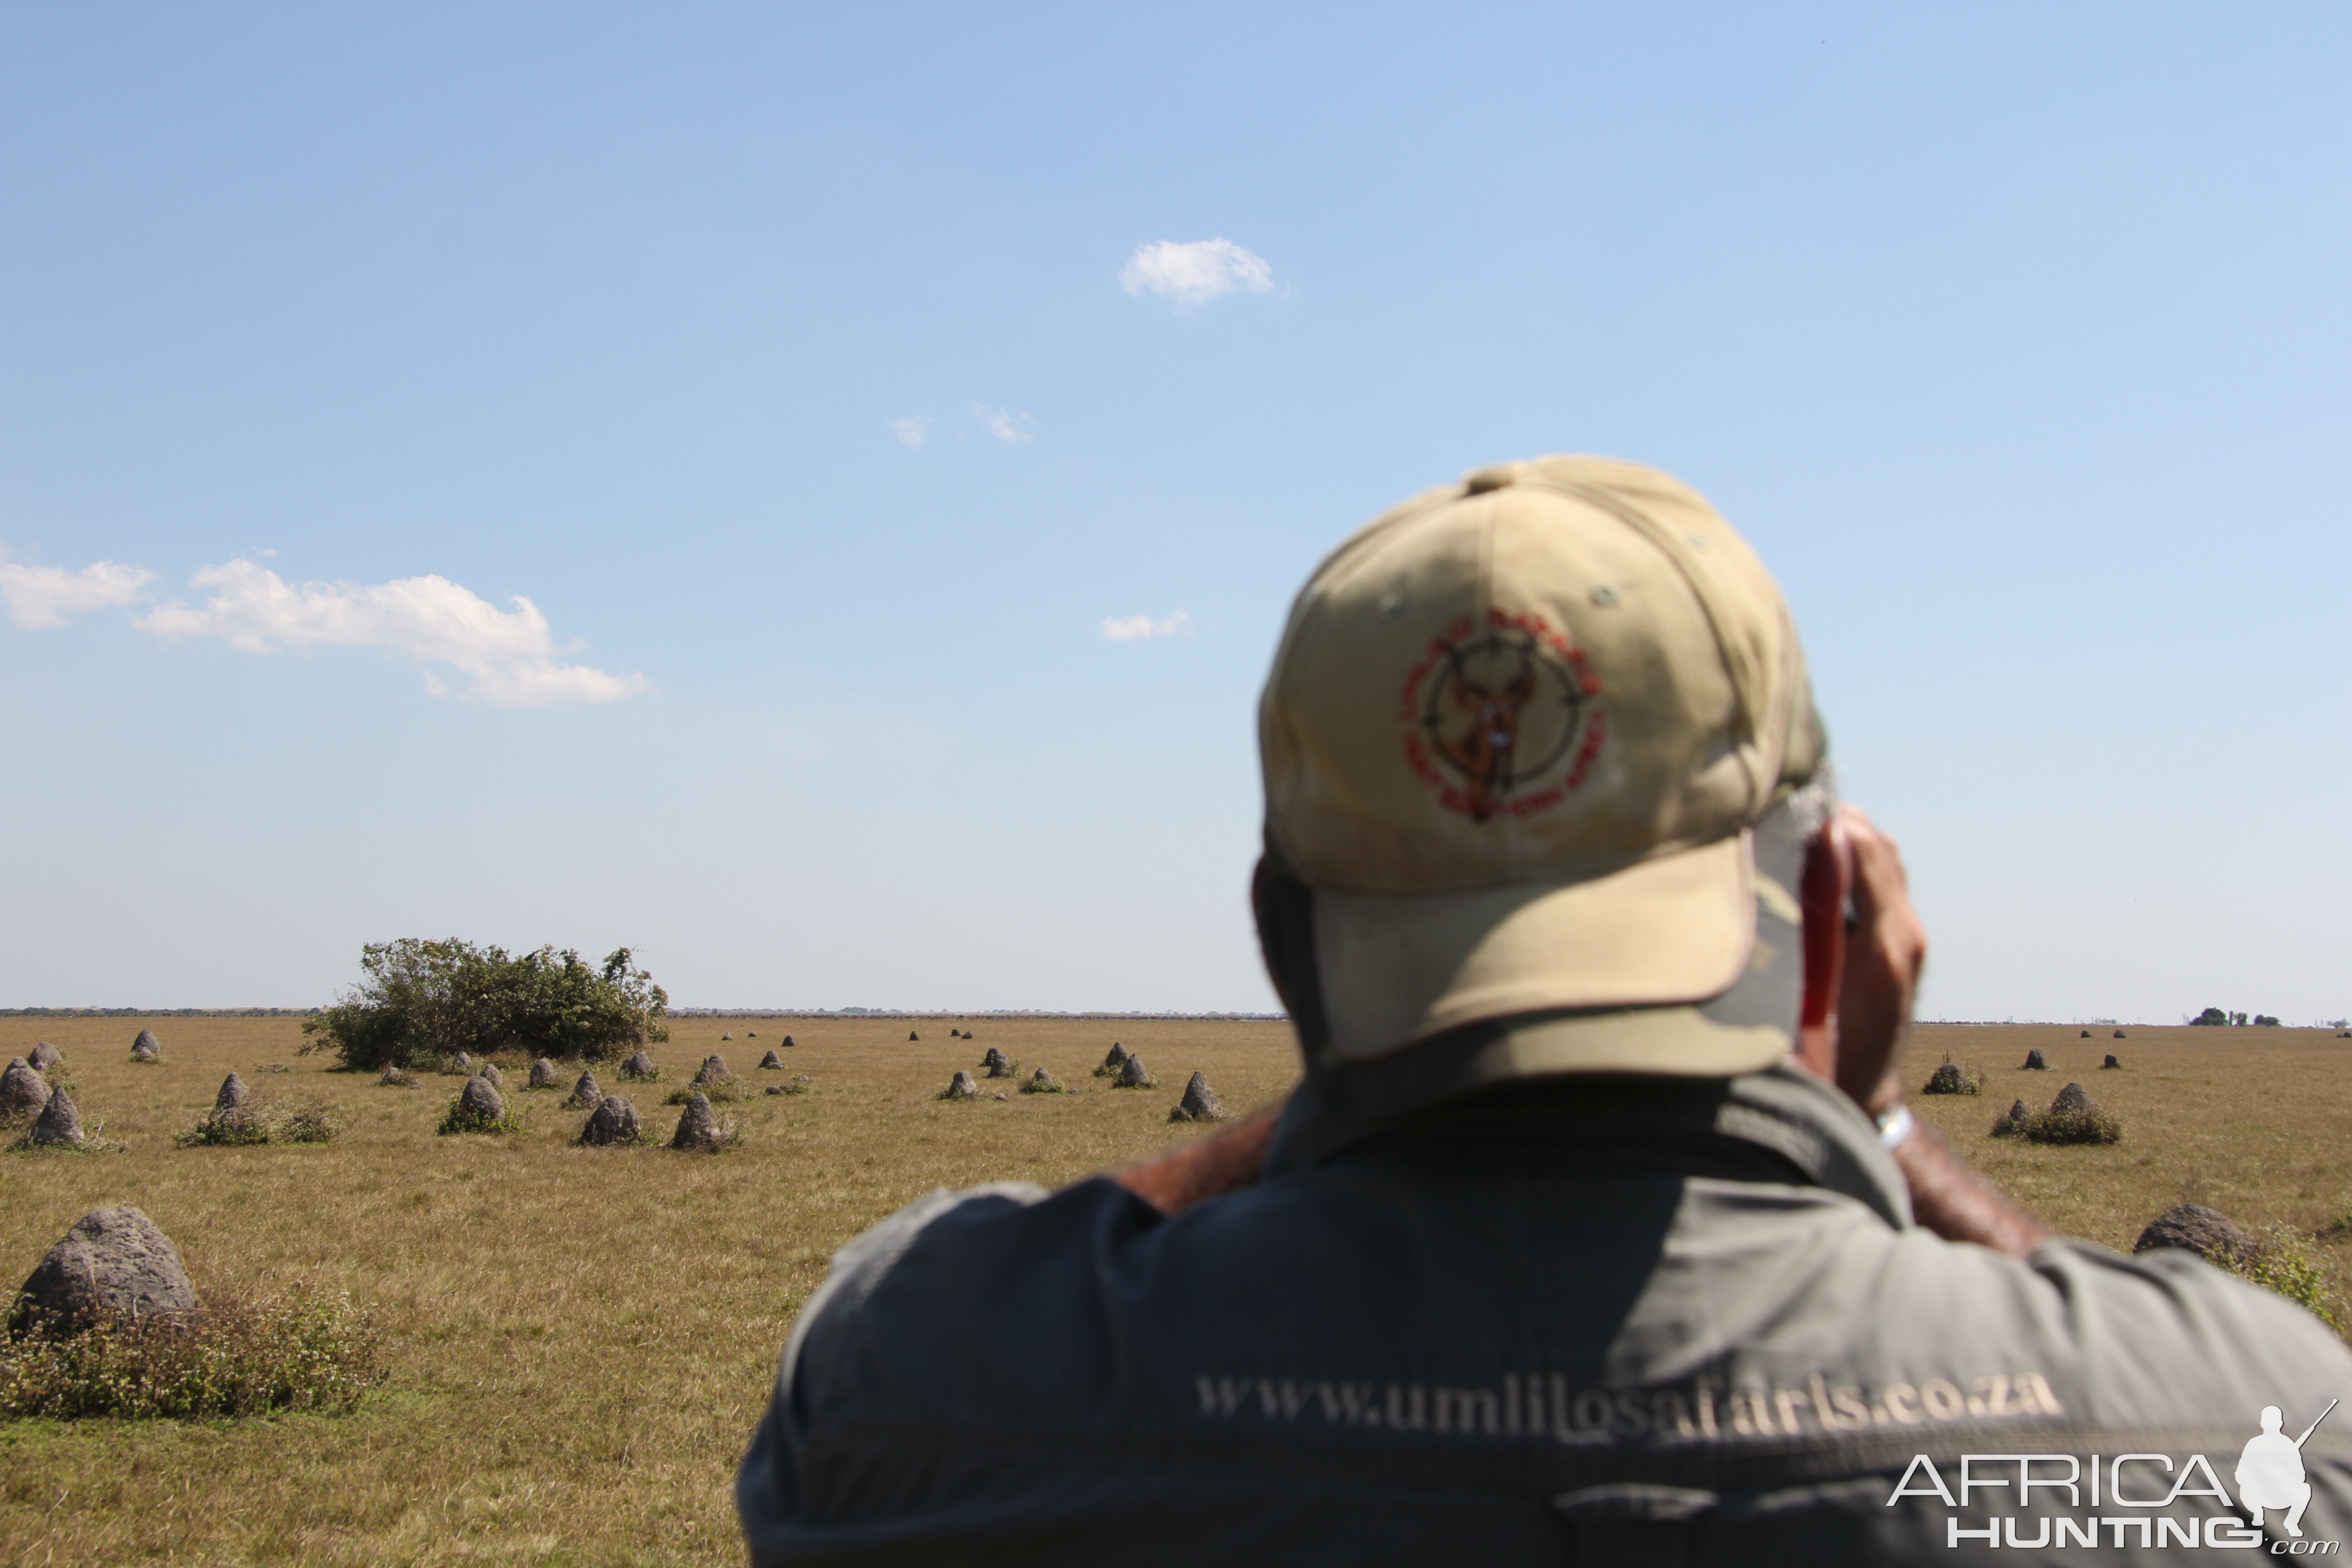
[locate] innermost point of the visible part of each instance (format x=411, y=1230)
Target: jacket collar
x=1782, y=1121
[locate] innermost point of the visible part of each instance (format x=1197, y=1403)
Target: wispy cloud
x=1135, y=628
x=1195, y=271
x=45, y=595
x=910, y=430
x=507, y=657
x=1004, y=427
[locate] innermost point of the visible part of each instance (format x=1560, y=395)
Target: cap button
x=1478, y=481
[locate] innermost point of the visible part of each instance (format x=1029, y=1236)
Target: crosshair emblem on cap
x=1501, y=716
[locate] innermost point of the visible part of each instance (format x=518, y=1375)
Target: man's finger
x=1877, y=863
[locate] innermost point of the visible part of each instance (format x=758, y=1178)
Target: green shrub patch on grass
x=308, y=1122
x=59, y=1128
x=1953, y=1079
x=2073, y=1124
x=236, y=1358
x=2074, y=1117
x=462, y=1118
x=93, y=1141
x=2281, y=1261
x=245, y=1124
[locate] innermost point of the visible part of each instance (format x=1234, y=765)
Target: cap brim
x=1673, y=930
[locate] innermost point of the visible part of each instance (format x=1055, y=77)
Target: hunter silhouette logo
x=1502, y=717
x=2270, y=1471
x=2124, y=1493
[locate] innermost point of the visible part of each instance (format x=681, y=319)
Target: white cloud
x=1003, y=426
x=910, y=430
x=1134, y=629
x=507, y=656
x=45, y=595
x=1195, y=272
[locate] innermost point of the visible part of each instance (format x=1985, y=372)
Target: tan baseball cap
x=1516, y=739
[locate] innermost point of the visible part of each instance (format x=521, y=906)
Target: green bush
x=309, y=1122
x=2281, y=1261
x=458, y=1118
x=247, y=1124
x=2064, y=1124
x=426, y=1000
x=238, y=1358
x=94, y=1140
x=1953, y=1079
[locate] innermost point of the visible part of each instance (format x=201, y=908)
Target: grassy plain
x=581, y=1340
x=2254, y=1122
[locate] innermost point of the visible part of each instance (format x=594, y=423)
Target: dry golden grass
x=581, y=1340
x=2254, y=1122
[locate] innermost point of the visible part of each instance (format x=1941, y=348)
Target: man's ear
x=1828, y=881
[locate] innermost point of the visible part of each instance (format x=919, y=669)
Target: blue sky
x=2015, y=337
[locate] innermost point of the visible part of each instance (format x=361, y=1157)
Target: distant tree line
x=2216, y=1017
x=156, y=1012
x=425, y=999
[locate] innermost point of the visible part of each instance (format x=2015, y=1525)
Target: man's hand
x=1886, y=950
x=1226, y=1161
x=1875, y=967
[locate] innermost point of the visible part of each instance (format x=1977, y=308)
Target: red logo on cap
x=1502, y=716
